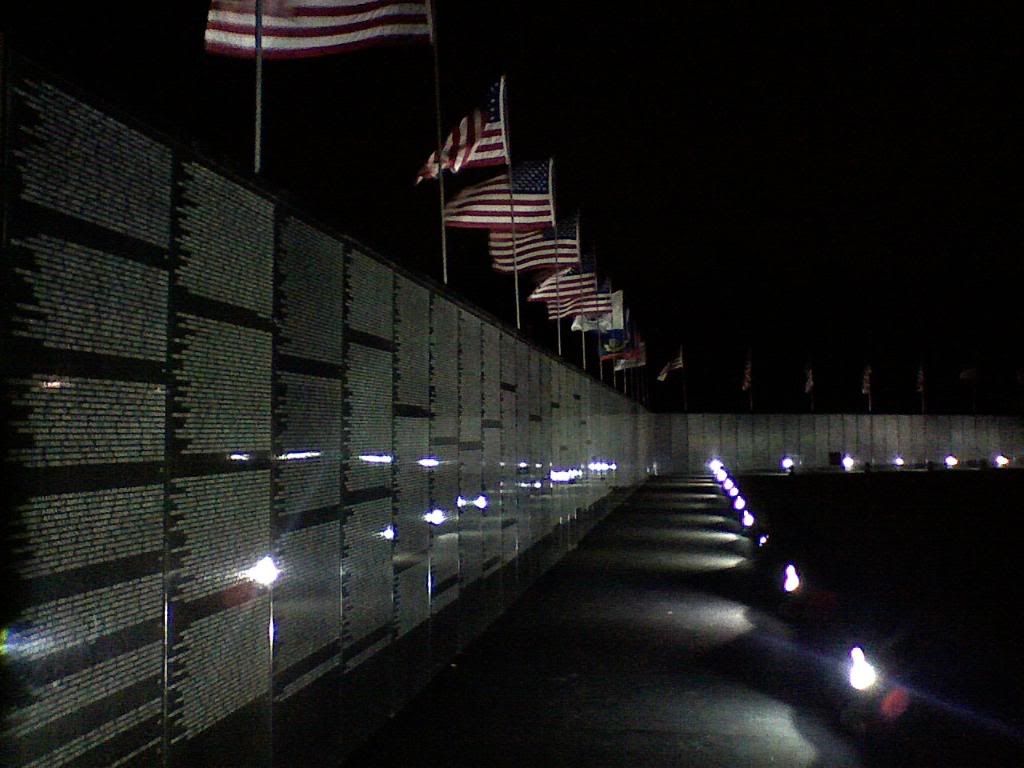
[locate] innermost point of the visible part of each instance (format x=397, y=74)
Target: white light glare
x=564, y=475
x=388, y=533
x=787, y=463
x=429, y=462
x=1001, y=461
x=435, y=516
x=538, y=484
x=522, y=465
x=951, y=461
x=748, y=519
x=298, y=455
x=265, y=572
x=848, y=462
x=763, y=540
x=734, y=491
x=613, y=466
x=739, y=504
x=240, y=457
x=480, y=502
x=898, y=461
x=721, y=475
x=538, y=466
x=792, y=582
x=376, y=458
x=862, y=674
x=715, y=466
x=728, y=484
x=599, y=466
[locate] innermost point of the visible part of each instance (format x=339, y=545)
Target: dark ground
x=660, y=642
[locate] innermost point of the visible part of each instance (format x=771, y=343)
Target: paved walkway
x=641, y=648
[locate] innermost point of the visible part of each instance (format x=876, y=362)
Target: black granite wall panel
x=200, y=382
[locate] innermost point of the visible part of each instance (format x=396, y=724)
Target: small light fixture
x=951, y=461
x=848, y=462
x=787, y=463
x=898, y=461
x=792, y=581
x=1001, y=461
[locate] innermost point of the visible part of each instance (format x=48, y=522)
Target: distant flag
x=865, y=382
x=969, y=374
x=525, y=204
x=809, y=381
x=748, y=380
x=615, y=342
x=550, y=248
x=675, y=364
x=600, y=323
x=478, y=141
x=636, y=357
x=294, y=29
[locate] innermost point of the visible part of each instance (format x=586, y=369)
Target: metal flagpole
x=583, y=346
x=440, y=148
x=257, y=154
x=511, y=197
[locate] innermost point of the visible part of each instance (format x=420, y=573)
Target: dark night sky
x=840, y=185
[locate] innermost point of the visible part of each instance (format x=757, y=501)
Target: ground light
x=739, y=504
x=715, y=466
x=862, y=674
x=787, y=463
x=898, y=461
x=792, y=581
x=951, y=461
x=848, y=462
x=1001, y=461
x=748, y=519
x=435, y=516
x=762, y=540
x=265, y=572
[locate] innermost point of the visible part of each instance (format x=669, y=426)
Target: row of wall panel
x=202, y=380
x=761, y=441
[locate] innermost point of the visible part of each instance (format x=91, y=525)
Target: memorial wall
x=198, y=377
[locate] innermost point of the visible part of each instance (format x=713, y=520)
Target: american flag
x=562, y=284
x=529, y=204
x=565, y=284
x=748, y=379
x=477, y=142
x=865, y=382
x=294, y=29
x=554, y=247
x=920, y=378
x=584, y=306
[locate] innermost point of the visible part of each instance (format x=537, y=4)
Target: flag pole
x=511, y=197
x=257, y=160
x=583, y=346
x=440, y=144
x=600, y=362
